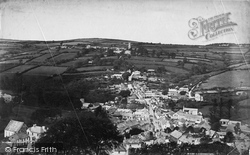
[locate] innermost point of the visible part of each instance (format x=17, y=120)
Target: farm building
x=14, y=127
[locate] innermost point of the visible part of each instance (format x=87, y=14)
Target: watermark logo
x=37, y=148
x=210, y=28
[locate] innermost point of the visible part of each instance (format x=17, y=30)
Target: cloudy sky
x=164, y=21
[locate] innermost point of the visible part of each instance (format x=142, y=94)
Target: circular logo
x=7, y=149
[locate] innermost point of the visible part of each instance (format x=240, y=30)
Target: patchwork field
x=176, y=70
x=41, y=59
x=46, y=70
x=5, y=66
x=152, y=62
x=19, y=69
x=63, y=56
x=235, y=78
x=94, y=68
x=26, y=56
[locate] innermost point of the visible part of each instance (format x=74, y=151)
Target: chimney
x=34, y=125
x=44, y=128
x=82, y=100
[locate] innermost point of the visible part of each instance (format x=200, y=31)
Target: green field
x=6, y=66
x=94, y=68
x=176, y=70
x=23, y=56
x=65, y=50
x=160, y=63
x=41, y=59
x=235, y=78
x=46, y=71
x=63, y=56
x=19, y=69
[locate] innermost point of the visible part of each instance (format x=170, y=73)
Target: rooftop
x=14, y=126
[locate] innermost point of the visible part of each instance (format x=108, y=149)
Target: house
x=141, y=114
x=185, y=89
x=151, y=71
x=226, y=122
x=19, y=139
x=191, y=111
x=221, y=134
x=133, y=142
x=128, y=52
x=198, y=97
x=6, y=96
x=14, y=127
x=188, y=117
x=118, y=76
x=120, y=150
x=173, y=92
x=188, y=139
x=175, y=135
x=35, y=132
x=86, y=105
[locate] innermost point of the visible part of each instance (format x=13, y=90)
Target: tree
x=237, y=128
x=190, y=129
x=216, y=126
x=135, y=131
x=206, y=139
x=41, y=114
x=229, y=138
x=167, y=130
x=153, y=53
x=158, y=54
x=183, y=93
x=161, y=69
x=165, y=92
x=171, y=104
x=126, y=75
x=87, y=134
x=229, y=107
x=110, y=52
x=124, y=93
x=185, y=60
x=5, y=108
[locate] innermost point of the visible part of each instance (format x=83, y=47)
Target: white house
x=118, y=76
x=7, y=97
x=192, y=111
x=128, y=52
x=120, y=150
x=35, y=132
x=226, y=122
x=198, y=97
x=181, y=115
x=13, y=127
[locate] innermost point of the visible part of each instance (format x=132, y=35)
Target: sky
x=162, y=21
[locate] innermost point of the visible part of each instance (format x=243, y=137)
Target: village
x=152, y=122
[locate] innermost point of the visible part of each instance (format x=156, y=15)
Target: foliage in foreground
x=89, y=133
x=173, y=148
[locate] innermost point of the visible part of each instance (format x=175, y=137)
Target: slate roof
x=14, y=126
x=37, y=129
x=176, y=134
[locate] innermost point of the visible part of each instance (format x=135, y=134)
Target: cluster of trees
x=224, y=108
x=199, y=68
x=39, y=116
x=89, y=133
x=121, y=63
x=89, y=91
x=174, y=148
x=5, y=108
x=54, y=92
